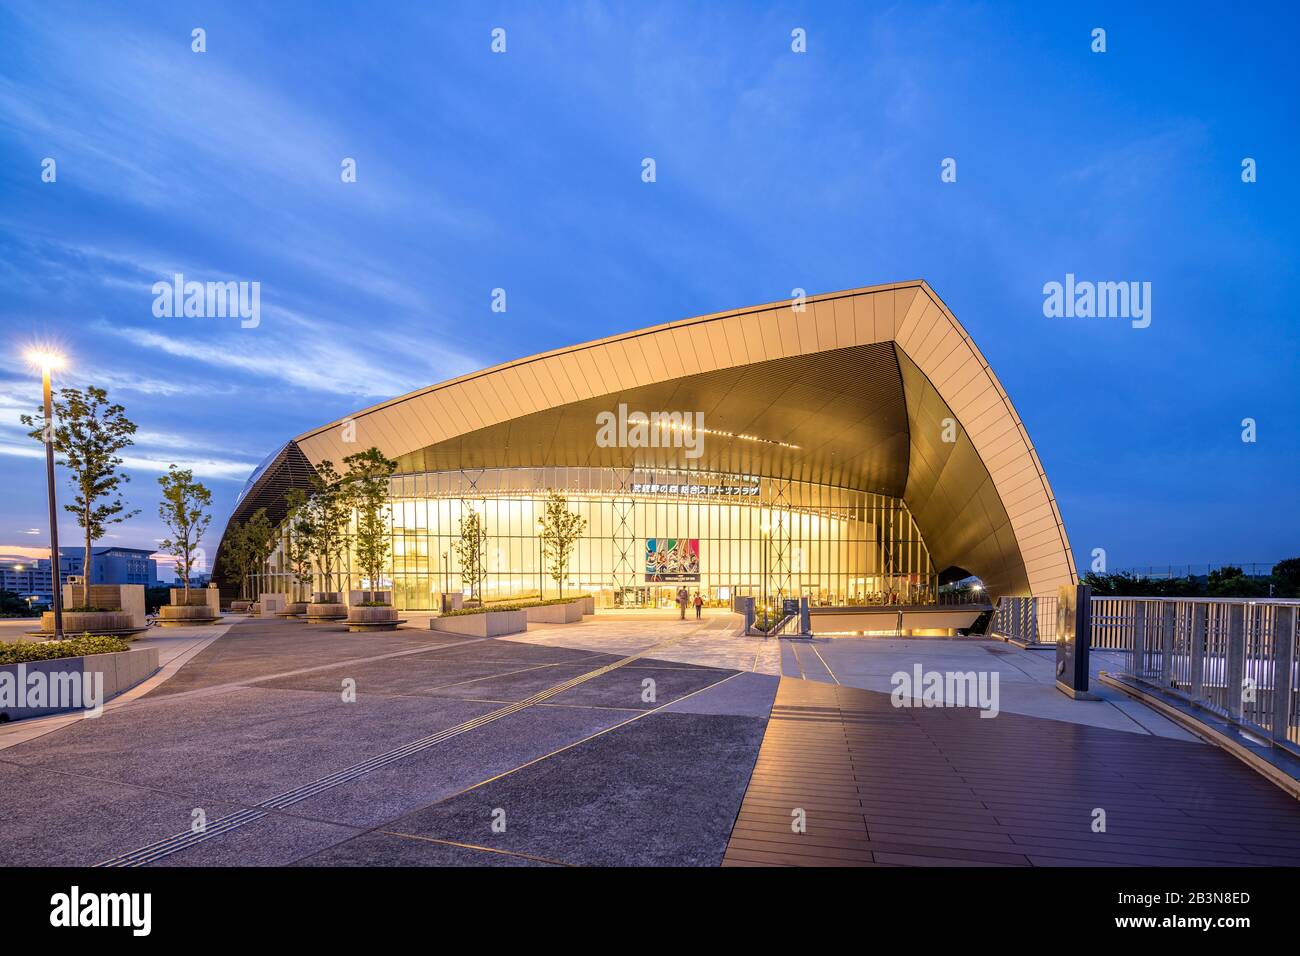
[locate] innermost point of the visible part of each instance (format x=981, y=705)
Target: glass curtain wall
x=759, y=537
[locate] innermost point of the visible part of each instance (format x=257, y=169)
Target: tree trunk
x=185, y=573
x=85, y=567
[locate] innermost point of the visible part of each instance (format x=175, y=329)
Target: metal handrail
x=1234, y=657
x=776, y=630
x=1025, y=620
x=785, y=625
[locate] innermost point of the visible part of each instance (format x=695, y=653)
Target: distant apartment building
x=30, y=579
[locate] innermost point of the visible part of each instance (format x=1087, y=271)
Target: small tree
x=328, y=517
x=470, y=549
x=298, y=537
x=259, y=539
x=366, y=483
x=184, y=510
x=88, y=432
x=238, y=554
x=560, y=530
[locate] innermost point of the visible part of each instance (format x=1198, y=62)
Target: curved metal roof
x=878, y=389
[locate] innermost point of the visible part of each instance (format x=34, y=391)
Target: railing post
x=1139, y=639
x=1284, y=621
x=1200, y=618
x=1167, y=611
x=1236, y=658
x=1031, y=612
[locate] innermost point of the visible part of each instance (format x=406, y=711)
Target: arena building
x=854, y=447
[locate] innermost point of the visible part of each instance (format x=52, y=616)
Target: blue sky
x=775, y=170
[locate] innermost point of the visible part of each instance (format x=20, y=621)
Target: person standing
x=699, y=605
x=683, y=596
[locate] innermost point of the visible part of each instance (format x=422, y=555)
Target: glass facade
x=767, y=538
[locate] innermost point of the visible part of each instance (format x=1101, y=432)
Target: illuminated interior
x=757, y=537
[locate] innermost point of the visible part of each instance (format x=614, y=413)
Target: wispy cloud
x=325, y=366
x=151, y=460
x=211, y=468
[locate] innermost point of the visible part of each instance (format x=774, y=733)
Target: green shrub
x=21, y=652
x=508, y=607
x=766, y=619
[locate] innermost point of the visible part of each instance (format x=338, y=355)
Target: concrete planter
x=271, y=604
x=555, y=613
x=90, y=622
x=295, y=609
x=121, y=671
x=323, y=613
x=196, y=599
x=240, y=607
x=125, y=598
x=487, y=624
x=373, y=618
x=186, y=615
x=363, y=597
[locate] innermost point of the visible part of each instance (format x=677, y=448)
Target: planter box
x=295, y=609
x=361, y=597
x=186, y=615
x=373, y=618
x=101, y=595
x=452, y=601
x=201, y=597
x=91, y=622
x=128, y=597
x=555, y=613
x=326, y=597
x=271, y=603
x=121, y=671
x=487, y=624
x=588, y=603
x=322, y=613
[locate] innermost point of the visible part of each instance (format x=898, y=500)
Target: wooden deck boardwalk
x=881, y=785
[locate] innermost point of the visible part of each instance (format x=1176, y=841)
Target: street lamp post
x=48, y=361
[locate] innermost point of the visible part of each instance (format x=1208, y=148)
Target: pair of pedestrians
x=684, y=599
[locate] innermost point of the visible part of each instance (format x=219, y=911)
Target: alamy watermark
x=208, y=300
x=624, y=429
x=1102, y=300
x=21, y=689
x=75, y=908
x=952, y=689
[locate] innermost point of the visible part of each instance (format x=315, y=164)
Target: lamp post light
x=46, y=362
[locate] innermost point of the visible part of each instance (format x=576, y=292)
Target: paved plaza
x=627, y=739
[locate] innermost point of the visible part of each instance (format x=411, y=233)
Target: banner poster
x=671, y=560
